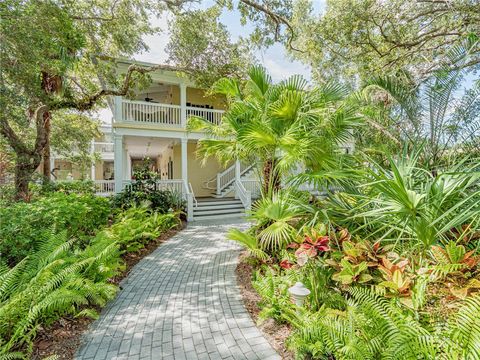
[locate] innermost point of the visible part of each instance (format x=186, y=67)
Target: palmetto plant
x=276, y=218
x=373, y=327
x=278, y=126
x=406, y=203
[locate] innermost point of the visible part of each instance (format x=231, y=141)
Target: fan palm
x=406, y=203
x=277, y=126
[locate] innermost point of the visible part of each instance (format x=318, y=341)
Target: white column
x=184, y=160
x=183, y=104
x=129, y=167
x=125, y=164
x=92, y=167
x=118, y=161
x=117, y=109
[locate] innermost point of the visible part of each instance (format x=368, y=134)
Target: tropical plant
x=137, y=225
x=278, y=126
x=144, y=188
x=405, y=204
x=51, y=283
x=273, y=290
x=25, y=225
x=373, y=327
x=250, y=242
x=275, y=218
x=430, y=112
x=60, y=277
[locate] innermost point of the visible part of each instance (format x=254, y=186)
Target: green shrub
x=60, y=278
x=69, y=187
x=144, y=189
x=136, y=226
x=24, y=226
x=162, y=201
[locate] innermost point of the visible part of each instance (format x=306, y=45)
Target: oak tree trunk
x=51, y=84
x=46, y=150
x=26, y=164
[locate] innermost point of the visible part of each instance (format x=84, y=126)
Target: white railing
x=105, y=187
x=254, y=186
x=103, y=147
x=161, y=114
x=190, y=189
x=189, y=198
x=225, y=178
x=174, y=185
x=151, y=113
x=244, y=195
x=212, y=115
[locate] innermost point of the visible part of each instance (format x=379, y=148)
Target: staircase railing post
x=189, y=207
x=218, y=184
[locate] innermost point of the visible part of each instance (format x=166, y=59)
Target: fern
x=60, y=279
x=373, y=327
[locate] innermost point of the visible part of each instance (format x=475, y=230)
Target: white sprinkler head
x=299, y=292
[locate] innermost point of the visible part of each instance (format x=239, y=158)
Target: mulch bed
x=275, y=333
x=63, y=337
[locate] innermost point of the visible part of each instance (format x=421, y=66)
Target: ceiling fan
x=149, y=99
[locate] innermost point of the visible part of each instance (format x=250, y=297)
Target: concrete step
x=219, y=211
x=218, y=206
x=218, y=216
x=218, y=202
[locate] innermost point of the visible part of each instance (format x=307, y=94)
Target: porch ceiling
x=146, y=146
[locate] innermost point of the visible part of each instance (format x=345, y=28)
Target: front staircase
x=215, y=208
x=223, y=184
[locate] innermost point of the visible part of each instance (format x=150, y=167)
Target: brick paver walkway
x=180, y=302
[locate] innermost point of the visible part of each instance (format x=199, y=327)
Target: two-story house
x=153, y=126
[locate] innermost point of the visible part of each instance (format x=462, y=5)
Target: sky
x=274, y=59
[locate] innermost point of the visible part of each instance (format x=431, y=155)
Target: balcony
x=162, y=115
x=103, y=147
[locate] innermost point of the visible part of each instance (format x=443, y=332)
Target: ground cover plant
x=24, y=226
x=64, y=277
x=391, y=258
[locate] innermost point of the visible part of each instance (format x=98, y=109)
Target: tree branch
x=277, y=19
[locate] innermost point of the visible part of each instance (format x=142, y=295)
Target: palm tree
x=431, y=113
x=278, y=126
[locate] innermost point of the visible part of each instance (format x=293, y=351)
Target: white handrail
x=227, y=177
x=252, y=185
x=212, y=115
x=193, y=194
x=189, y=198
x=244, y=195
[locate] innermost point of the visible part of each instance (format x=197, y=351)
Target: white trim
x=118, y=162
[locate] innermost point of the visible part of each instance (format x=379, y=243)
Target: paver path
x=180, y=302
